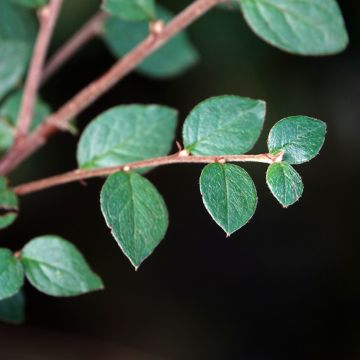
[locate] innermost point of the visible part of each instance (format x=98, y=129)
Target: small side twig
x=177, y=158
x=47, y=19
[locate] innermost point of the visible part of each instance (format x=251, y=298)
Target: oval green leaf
x=125, y=134
x=173, y=58
x=131, y=10
x=306, y=27
x=224, y=125
x=31, y=3
x=300, y=137
x=229, y=195
x=285, y=183
x=12, y=309
x=8, y=205
x=11, y=274
x=55, y=267
x=17, y=35
x=136, y=214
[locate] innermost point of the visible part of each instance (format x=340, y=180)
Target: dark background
x=286, y=286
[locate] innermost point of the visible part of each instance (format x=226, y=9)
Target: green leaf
x=172, y=59
x=136, y=214
x=8, y=205
x=31, y=3
x=224, y=125
x=131, y=10
x=300, y=137
x=229, y=195
x=9, y=111
x=17, y=35
x=285, y=183
x=12, y=310
x=125, y=134
x=55, y=267
x=306, y=27
x=11, y=274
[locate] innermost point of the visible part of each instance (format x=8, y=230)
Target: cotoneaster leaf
x=224, y=125
x=136, y=214
x=229, y=195
x=131, y=10
x=31, y=3
x=299, y=137
x=8, y=204
x=306, y=27
x=12, y=309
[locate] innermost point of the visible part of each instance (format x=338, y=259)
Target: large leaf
x=31, y=3
x=8, y=204
x=285, y=183
x=171, y=59
x=11, y=274
x=17, y=35
x=224, y=125
x=229, y=194
x=136, y=214
x=55, y=267
x=9, y=111
x=300, y=137
x=307, y=27
x=127, y=133
x=131, y=10
x=12, y=310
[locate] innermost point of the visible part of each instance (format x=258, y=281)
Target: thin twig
x=86, y=33
x=60, y=119
x=47, y=19
x=181, y=157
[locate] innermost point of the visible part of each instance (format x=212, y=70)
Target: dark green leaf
x=306, y=27
x=131, y=10
x=55, y=267
x=17, y=35
x=125, y=134
x=224, y=125
x=31, y=3
x=229, y=194
x=300, y=137
x=9, y=111
x=285, y=183
x=11, y=274
x=171, y=59
x=8, y=205
x=136, y=214
x=12, y=310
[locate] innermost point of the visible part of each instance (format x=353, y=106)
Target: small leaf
x=136, y=214
x=173, y=58
x=9, y=112
x=306, y=27
x=229, y=195
x=17, y=35
x=131, y=10
x=12, y=310
x=31, y=3
x=55, y=267
x=224, y=125
x=125, y=134
x=300, y=137
x=11, y=274
x=285, y=183
x=8, y=205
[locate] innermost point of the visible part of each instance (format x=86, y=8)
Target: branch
x=181, y=157
x=86, y=33
x=47, y=19
x=60, y=119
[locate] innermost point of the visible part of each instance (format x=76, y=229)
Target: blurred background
x=286, y=286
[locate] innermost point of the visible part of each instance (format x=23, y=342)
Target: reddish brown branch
x=47, y=20
x=92, y=92
x=178, y=158
x=90, y=30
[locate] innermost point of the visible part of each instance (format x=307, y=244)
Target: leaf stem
x=47, y=16
x=87, y=32
x=177, y=158
x=60, y=119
